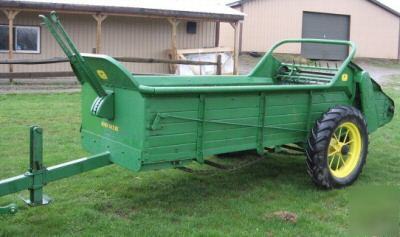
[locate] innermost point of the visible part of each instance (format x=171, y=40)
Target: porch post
x=174, y=24
x=99, y=19
x=11, y=14
x=236, y=47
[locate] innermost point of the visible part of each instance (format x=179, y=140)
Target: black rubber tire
x=318, y=144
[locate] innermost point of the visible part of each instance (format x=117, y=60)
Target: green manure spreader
x=156, y=122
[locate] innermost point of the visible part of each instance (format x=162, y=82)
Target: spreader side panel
x=191, y=127
x=195, y=126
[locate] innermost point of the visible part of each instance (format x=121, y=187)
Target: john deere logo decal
x=345, y=77
x=102, y=74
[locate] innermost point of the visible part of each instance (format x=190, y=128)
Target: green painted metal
x=37, y=169
x=156, y=122
x=65, y=170
x=261, y=125
x=200, y=129
x=9, y=209
x=38, y=175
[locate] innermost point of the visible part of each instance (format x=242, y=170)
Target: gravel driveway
x=381, y=72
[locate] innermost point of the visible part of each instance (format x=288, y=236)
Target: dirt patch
x=48, y=85
x=30, y=89
x=284, y=215
x=125, y=212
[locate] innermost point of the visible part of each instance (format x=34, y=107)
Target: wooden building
x=140, y=28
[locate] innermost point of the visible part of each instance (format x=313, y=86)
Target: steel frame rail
x=38, y=175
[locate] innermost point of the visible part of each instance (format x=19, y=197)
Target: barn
x=140, y=28
x=373, y=26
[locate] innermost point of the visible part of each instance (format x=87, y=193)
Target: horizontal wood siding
x=231, y=122
x=122, y=36
x=175, y=138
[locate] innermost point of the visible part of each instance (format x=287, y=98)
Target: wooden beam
x=121, y=59
x=99, y=19
x=174, y=54
x=219, y=64
x=36, y=61
x=236, y=48
x=11, y=14
x=241, y=31
x=35, y=75
x=217, y=33
x=205, y=50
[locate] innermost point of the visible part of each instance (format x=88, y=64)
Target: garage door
x=325, y=26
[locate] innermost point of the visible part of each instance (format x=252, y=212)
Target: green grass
x=113, y=201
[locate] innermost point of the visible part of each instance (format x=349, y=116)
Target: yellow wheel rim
x=344, y=152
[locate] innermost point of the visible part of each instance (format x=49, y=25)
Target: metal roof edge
x=376, y=2
x=385, y=7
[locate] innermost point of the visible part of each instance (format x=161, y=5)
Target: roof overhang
x=387, y=8
x=228, y=15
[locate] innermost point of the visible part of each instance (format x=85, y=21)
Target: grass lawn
x=113, y=201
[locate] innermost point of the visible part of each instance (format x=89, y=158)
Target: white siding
x=373, y=29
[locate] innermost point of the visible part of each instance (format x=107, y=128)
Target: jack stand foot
x=45, y=201
x=10, y=209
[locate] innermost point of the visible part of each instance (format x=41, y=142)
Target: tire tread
x=319, y=139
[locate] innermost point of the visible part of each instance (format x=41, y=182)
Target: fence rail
x=38, y=75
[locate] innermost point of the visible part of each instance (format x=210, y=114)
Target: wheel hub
x=345, y=150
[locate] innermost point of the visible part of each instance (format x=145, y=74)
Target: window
x=191, y=27
x=3, y=38
x=26, y=39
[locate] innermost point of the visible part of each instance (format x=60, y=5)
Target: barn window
x=26, y=39
x=191, y=27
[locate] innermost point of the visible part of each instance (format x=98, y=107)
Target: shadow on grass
x=174, y=191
